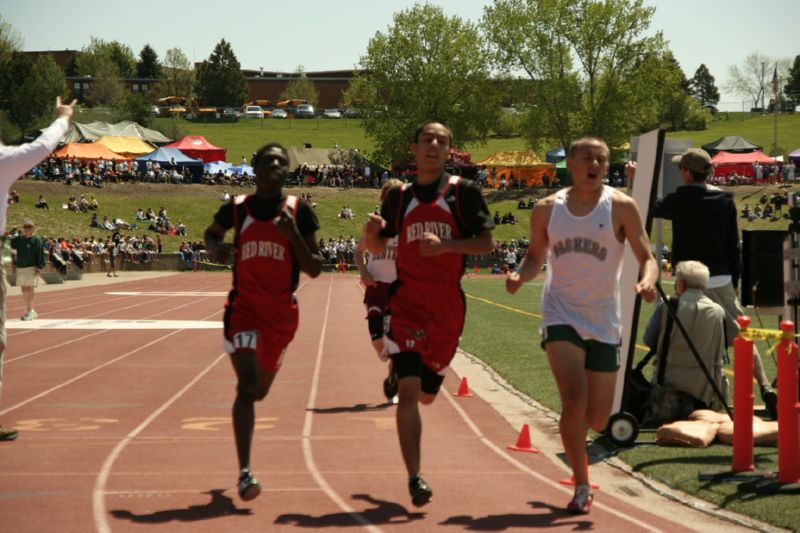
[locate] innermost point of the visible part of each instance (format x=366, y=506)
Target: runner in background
x=378, y=273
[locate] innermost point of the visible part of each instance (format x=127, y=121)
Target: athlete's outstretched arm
x=634, y=231
x=371, y=234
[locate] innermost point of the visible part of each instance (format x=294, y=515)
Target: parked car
x=304, y=111
x=279, y=113
x=353, y=112
x=230, y=112
x=331, y=113
x=154, y=111
x=253, y=111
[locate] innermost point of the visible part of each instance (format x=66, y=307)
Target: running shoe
x=390, y=387
x=7, y=433
x=582, y=500
x=249, y=489
x=420, y=492
x=30, y=315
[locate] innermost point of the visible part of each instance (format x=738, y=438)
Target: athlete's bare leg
x=253, y=385
x=567, y=363
x=409, y=423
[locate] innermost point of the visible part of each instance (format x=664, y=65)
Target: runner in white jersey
x=378, y=273
x=581, y=230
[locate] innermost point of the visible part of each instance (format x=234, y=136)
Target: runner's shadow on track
x=219, y=506
x=384, y=512
x=357, y=408
x=557, y=517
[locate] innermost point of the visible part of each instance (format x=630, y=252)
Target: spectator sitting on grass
x=41, y=203
x=95, y=223
x=139, y=214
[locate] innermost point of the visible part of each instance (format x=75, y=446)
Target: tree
x=32, y=100
x=148, y=65
x=136, y=107
x=673, y=90
x=704, y=90
x=425, y=66
x=300, y=87
x=107, y=87
x=10, y=43
x=98, y=52
x=220, y=81
x=792, y=87
x=178, y=77
x=584, y=62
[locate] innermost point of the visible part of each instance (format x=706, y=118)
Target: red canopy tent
x=197, y=147
x=742, y=164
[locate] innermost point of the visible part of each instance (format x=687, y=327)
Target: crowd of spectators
x=95, y=173
x=768, y=207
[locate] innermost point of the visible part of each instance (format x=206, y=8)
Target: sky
x=334, y=34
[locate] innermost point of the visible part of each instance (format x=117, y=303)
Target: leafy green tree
x=107, y=87
x=98, y=52
x=10, y=43
x=704, y=89
x=426, y=65
x=220, y=81
x=148, y=65
x=792, y=87
x=584, y=62
x=300, y=87
x=673, y=90
x=178, y=77
x=136, y=107
x=32, y=100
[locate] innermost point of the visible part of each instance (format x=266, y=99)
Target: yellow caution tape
x=765, y=334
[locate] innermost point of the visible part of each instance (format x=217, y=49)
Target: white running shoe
x=30, y=315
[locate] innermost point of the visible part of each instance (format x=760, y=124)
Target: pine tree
x=704, y=90
x=220, y=81
x=148, y=65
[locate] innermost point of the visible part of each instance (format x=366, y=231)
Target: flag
x=776, y=84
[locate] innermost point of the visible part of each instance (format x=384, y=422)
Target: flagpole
x=776, y=82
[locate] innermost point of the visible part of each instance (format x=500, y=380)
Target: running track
x=125, y=426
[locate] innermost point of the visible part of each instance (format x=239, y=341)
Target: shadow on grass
x=384, y=512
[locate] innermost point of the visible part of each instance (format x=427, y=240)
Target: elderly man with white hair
x=704, y=321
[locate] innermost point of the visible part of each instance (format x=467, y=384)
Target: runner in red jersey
x=274, y=239
x=438, y=220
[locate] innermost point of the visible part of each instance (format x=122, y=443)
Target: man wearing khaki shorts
x=28, y=250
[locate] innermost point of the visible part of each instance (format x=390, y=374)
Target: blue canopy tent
x=172, y=157
x=243, y=169
x=215, y=167
x=556, y=155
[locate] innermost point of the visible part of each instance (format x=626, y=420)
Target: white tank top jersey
x=584, y=264
x=383, y=266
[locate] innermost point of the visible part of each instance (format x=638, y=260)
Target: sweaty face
x=589, y=163
x=432, y=147
x=272, y=167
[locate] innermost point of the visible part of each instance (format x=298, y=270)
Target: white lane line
x=553, y=484
x=168, y=293
x=84, y=374
x=307, y=423
x=112, y=324
x=98, y=494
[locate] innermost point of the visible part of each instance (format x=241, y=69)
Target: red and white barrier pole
x=742, y=400
x=788, y=408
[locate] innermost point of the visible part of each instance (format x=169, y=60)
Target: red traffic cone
x=571, y=481
x=463, y=389
x=523, y=441
x=476, y=270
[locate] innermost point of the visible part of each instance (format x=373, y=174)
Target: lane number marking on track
x=63, y=424
x=215, y=423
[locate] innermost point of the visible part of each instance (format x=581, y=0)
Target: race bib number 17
x=245, y=340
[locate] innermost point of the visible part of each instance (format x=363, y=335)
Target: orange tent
x=516, y=167
x=89, y=151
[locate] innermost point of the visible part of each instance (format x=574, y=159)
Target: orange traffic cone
x=476, y=270
x=463, y=389
x=524, y=441
x=571, y=481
